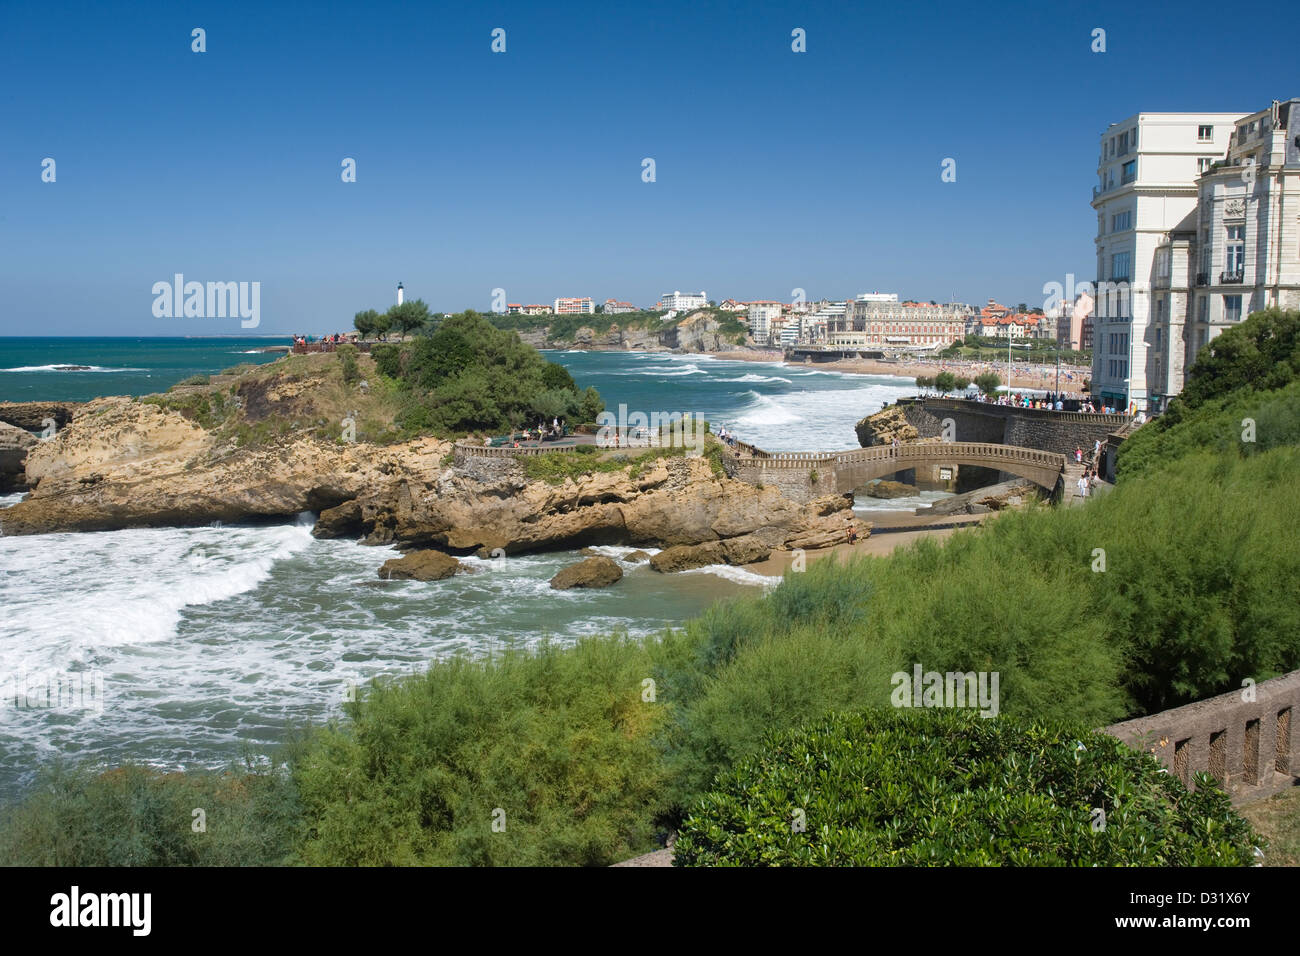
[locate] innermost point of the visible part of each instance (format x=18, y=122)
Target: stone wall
x=1246, y=739
x=1040, y=428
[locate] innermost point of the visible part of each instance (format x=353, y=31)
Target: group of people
x=726, y=437
x=1087, y=482
x=328, y=341
x=541, y=433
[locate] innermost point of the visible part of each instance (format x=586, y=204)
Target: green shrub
x=135, y=816
x=348, y=362
x=949, y=788
x=555, y=743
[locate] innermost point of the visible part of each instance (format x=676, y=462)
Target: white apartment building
x=1147, y=187
x=615, y=307
x=684, y=301
x=1237, y=253
x=584, y=306
x=762, y=316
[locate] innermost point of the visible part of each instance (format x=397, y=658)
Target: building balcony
x=1232, y=278
x=1202, y=278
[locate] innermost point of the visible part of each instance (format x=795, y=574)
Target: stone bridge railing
x=1246, y=739
x=906, y=455
x=967, y=405
x=468, y=449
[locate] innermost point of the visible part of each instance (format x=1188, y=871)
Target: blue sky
x=522, y=170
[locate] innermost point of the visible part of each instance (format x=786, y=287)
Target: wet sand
x=879, y=543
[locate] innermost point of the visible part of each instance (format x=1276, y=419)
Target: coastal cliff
x=697, y=332
x=260, y=445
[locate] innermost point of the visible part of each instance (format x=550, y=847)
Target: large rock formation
x=670, y=502
x=33, y=415
x=124, y=463
x=597, y=572
x=903, y=422
x=15, y=444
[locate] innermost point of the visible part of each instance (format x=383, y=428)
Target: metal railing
x=1232, y=278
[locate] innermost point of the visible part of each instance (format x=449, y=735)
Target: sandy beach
x=1022, y=375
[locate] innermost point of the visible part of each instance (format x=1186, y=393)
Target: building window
x=1119, y=266
x=1204, y=134
x=1235, y=262
x=1203, y=313
x=1203, y=164
x=1162, y=263
x=1128, y=172
x=1232, y=308
x=1121, y=221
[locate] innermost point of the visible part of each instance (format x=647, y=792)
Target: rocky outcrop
x=890, y=489
x=902, y=422
x=673, y=501
x=125, y=463
x=420, y=566
x=33, y=416
x=1008, y=494
x=697, y=332
x=592, y=573
x=15, y=444
x=122, y=463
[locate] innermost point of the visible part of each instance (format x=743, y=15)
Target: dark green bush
x=949, y=788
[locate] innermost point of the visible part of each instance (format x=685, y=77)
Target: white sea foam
x=66, y=367
x=757, y=378
x=738, y=575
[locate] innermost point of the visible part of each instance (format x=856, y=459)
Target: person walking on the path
x=1083, y=486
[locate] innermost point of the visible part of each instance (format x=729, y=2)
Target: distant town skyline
x=947, y=155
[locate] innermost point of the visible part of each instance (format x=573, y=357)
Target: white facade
x=684, y=301
x=762, y=315
x=1148, y=169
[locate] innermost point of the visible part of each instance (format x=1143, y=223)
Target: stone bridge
x=804, y=475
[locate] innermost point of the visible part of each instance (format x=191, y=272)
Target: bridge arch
x=855, y=468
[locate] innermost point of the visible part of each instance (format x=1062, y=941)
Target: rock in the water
x=420, y=566
x=595, y=572
x=983, y=500
x=744, y=549
x=890, y=489
x=636, y=557
x=343, y=521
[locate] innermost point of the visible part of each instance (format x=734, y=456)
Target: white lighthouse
x=399, y=293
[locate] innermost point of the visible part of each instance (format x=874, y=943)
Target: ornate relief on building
x=1234, y=209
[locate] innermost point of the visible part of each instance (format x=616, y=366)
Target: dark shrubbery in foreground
x=135, y=816
x=946, y=788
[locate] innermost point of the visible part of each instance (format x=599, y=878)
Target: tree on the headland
x=365, y=322
x=409, y=316
x=945, y=382
x=988, y=382
x=382, y=324
x=924, y=381
x=960, y=383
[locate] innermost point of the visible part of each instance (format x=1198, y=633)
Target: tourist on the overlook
x=1096, y=450
x=1078, y=455
x=1083, y=486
